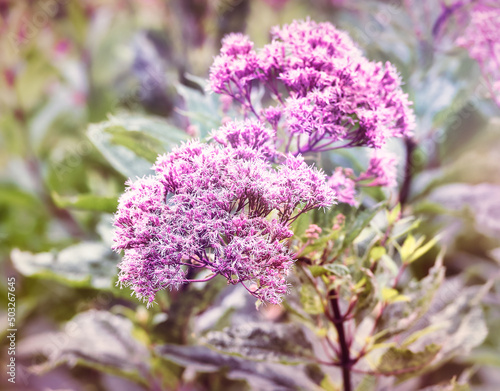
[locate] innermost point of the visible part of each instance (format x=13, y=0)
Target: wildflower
x=336, y=97
x=344, y=186
x=480, y=38
x=381, y=170
x=235, y=68
x=249, y=133
x=220, y=209
x=313, y=232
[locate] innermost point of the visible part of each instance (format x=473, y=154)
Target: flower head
x=334, y=94
x=225, y=210
x=344, y=186
x=381, y=170
x=250, y=133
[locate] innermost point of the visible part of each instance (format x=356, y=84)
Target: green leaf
x=327, y=384
x=131, y=144
x=368, y=294
x=285, y=343
x=300, y=225
x=396, y=361
x=390, y=295
x=376, y=253
x=33, y=79
x=368, y=383
x=333, y=268
x=359, y=223
x=338, y=269
x=87, y=202
x=401, y=316
x=84, y=264
x=393, y=215
x=311, y=302
x=407, y=248
x=420, y=251
x=412, y=249
x=202, y=108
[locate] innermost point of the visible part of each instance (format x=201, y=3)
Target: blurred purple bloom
x=381, y=170
x=224, y=210
x=481, y=39
x=344, y=186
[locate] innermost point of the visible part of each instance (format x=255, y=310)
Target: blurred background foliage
x=135, y=70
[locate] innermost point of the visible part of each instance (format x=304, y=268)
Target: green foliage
x=397, y=361
x=201, y=107
x=131, y=144
x=87, y=202
x=84, y=264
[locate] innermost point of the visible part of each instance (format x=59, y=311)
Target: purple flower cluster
x=324, y=95
x=217, y=209
x=381, y=170
x=250, y=133
x=323, y=86
x=480, y=38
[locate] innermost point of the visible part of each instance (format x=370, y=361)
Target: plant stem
x=345, y=355
x=410, y=145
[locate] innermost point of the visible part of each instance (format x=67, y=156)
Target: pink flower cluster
x=322, y=86
x=249, y=133
x=480, y=38
x=322, y=95
x=217, y=209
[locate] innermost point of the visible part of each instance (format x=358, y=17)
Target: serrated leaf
x=263, y=341
x=333, y=268
x=84, y=264
x=399, y=360
x=337, y=268
x=455, y=321
x=87, y=202
x=367, y=297
x=401, y=316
